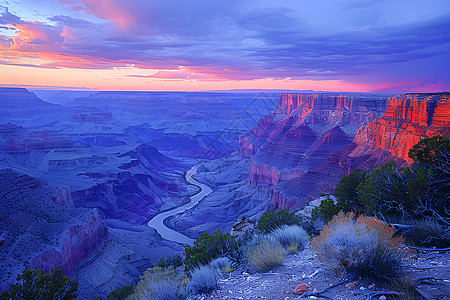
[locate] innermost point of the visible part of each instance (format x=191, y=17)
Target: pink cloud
x=115, y=11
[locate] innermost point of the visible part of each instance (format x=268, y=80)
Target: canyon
x=81, y=178
x=298, y=172
x=305, y=145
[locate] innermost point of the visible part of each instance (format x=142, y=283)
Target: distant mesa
x=19, y=101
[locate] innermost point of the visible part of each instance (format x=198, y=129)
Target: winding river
x=157, y=222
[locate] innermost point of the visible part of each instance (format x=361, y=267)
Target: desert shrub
x=381, y=264
x=160, y=284
x=418, y=191
x=264, y=253
x=35, y=284
x=345, y=241
x=347, y=192
x=271, y=220
x=326, y=210
x=121, y=294
x=174, y=261
x=428, y=233
x=291, y=237
x=208, y=247
x=432, y=150
x=394, y=191
x=204, y=280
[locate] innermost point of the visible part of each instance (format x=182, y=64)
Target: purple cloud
x=370, y=41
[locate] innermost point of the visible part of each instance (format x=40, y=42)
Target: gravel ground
x=304, y=268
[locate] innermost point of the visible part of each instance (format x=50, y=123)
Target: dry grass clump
x=381, y=264
x=264, y=254
x=160, y=284
x=204, y=280
x=293, y=238
x=358, y=245
x=429, y=233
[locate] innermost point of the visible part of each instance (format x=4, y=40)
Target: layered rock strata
x=299, y=136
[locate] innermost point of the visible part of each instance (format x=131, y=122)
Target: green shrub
x=347, y=193
x=160, y=284
x=204, y=280
x=326, y=210
x=428, y=233
x=174, y=261
x=264, y=253
x=121, y=294
x=291, y=237
x=431, y=150
x=271, y=220
x=35, y=284
x=394, y=191
x=208, y=247
x=418, y=191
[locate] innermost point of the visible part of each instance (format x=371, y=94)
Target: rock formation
x=408, y=119
x=41, y=233
x=21, y=102
x=299, y=136
x=78, y=242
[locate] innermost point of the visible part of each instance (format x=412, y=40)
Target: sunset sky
x=346, y=45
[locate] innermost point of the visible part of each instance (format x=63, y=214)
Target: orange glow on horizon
x=118, y=79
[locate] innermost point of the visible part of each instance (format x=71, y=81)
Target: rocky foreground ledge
x=304, y=269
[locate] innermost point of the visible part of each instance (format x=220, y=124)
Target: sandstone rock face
x=299, y=136
x=79, y=241
x=408, y=119
x=40, y=233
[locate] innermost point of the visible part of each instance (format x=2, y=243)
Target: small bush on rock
x=208, y=247
x=121, y=293
x=293, y=237
x=222, y=264
x=264, y=253
x=165, y=262
x=35, y=284
x=345, y=241
x=204, y=280
x=271, y=220
x=326, y=210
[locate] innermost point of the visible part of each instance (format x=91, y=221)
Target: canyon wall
x=77, y=242
x=408, y=119
x=299, y=136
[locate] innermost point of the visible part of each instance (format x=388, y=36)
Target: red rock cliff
x=408, y=119
x=300, y=134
